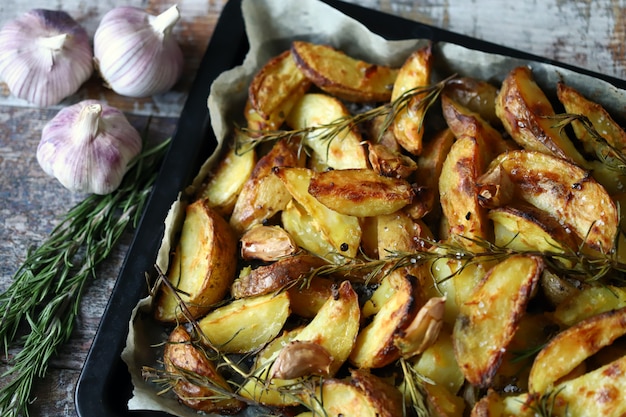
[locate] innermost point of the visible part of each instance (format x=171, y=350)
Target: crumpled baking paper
x=271, y=25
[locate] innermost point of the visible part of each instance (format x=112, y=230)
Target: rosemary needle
x=46, y=289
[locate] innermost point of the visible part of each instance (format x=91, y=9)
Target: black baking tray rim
x=104, y=385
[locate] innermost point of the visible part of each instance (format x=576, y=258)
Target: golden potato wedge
x=441, y=403
x=246, y=324
x=275, y=276
x=464, y=122
x=267, y=243
x=307, y=299
x=210, y=393
x=362, y=394
x=397, y=232
x=466, y=218
x=588, y=301
x=526, y=228
x=572, y=346
x=496, y=405
x=227, y=180
x=203, y=266
x=488, y=320
x=335, y=147
x=307, y=233
x=525, y=112
x=342, y=231
x=375, y=347
x=429, y=165
x=360, y=192
x=575, y=103
x=390, y=163
x=438, y=364
x=263, y=195
x=408, y=123
x=336, y=325
x=343, y=76
x=276, y=87
x=478, y=96
x=566, y=192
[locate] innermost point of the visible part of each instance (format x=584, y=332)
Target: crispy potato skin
x=360, y=192
x=180, y=354
x=343, y=76
x=203, y=266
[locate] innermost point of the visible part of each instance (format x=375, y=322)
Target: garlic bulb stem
x=164, y=22
x=54, y=43
x=88, y=124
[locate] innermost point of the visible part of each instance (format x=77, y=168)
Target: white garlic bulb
x=87, y=147
x=45, y=56
x=136, y=53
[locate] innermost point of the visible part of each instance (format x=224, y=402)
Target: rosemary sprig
x=328, y=132
x=46, y=290
x=606, y=152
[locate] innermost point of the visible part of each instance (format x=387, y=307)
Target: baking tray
x=104, y=385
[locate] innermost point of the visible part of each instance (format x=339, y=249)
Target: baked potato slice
x=335, y=148
x=488, y=320
x=198, y=384
x=429, y=165
x=203, y=266
x=360, y=192
x=362, y=394
x=247, y=324
x=565, y=191
x=342, y=231
x=572, y=346
x=227, y=180
x=465, y=217
x=525, y=112
x=263, y=194
x=408, y=124
x=307, y=299
x=343, y=76
x=276, y=87
x=275, y=276
x=375, y=345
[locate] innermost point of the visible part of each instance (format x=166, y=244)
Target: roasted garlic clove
x=423, y=330
x=299, y=358
x=267, y=243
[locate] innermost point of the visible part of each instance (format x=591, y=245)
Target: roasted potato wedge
x=525, y=112
x=360, y=192
x=604, y=125
x=375, y=344
x=572, y=346
x=263, y=195
x=246, y=324
x=211, y=393
x=343, y=76
x=362, y=394
x=397, y=232
x=466, y=218
x=565, y=191
x=588, y=301
x=275, y=276
x=476, y=95
x=276, y=87
x=342, y=231
x=408, y=123
x=203, y=266
x=227, y=180
x=335, y=147
x=488, y=320
x=308, y=298
x=438, y=364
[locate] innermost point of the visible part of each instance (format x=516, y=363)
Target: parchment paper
x=271, y=25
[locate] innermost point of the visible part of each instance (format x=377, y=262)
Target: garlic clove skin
x=88, y=146
x=45, y=56
x=136, y=53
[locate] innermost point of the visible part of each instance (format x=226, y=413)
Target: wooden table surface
x=585, y=33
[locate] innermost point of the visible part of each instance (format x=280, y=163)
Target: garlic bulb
x=136, y=53
x=87, y=147
x=45, y=56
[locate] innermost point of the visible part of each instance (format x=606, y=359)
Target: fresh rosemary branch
x=327, y=132
x=46, y=289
